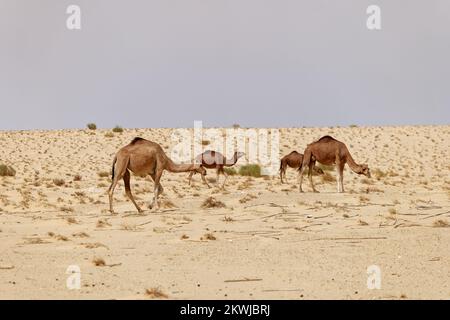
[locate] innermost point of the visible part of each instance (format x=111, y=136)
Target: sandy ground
x=280, y=243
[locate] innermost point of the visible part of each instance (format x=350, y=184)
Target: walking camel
x=215, y=160
x=328, y=151
x=144, y=157
x=293, y=160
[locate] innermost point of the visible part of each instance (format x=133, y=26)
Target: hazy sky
x=266, y=63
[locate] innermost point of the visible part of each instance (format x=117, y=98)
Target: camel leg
x=126, y=180
x=121, y=166
x=281, y=173
x=190, y=176
x=341, y=176
x=310, y=167
x=225, y=175
x=301, y=177
x=204, y=180
x=157, y=190
x=217, y=175
x=339, y=170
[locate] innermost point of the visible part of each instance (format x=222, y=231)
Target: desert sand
x=267, y=242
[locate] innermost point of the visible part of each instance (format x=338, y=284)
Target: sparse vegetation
x=250, y=170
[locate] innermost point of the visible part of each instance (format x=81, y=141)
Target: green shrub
x=251, y=170
x=7, y=171
x=92, y=126
x=117, y=129
x=230, y=171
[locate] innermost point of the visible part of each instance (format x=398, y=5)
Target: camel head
x=365, y=170
x=201, y=170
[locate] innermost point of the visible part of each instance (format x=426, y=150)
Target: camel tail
x=113, y=167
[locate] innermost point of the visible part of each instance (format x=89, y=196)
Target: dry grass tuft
x=362, y=223
x=103, y=174
x=208, y=236
x=59, y=182
x=327, y=177
x=228, y=219
x=211, y=202
x=102, y=223
x=7, y=171
x=99, y=262
x=156, y=293
x=441, y=224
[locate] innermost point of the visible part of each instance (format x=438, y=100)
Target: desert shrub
x=117, y=129
x=156, y=293
x=325, y=167
x=250, y=170
x=205, y=142
x=212, y=203
x=7, y=171
x=327, y=177
x=59, y=182
x=230, y=171
x=378, y=173
x=77, y=177
x=103, y=174
x=109, y=135
x=92, y=126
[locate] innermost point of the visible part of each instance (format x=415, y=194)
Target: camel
x=329, y=151
x=215, y=160
x=293, y=160
x=144, y=157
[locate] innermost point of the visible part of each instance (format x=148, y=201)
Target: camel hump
x=294, y=152
x=135, y=140
x=326, y=138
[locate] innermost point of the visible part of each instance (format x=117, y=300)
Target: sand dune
x=267, y=242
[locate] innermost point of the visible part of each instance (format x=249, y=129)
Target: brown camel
x=293, y=160
x=329, y=151
x=215, y=160
x=143, y=157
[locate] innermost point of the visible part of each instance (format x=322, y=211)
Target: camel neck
x=352, y=164
x=173, y=167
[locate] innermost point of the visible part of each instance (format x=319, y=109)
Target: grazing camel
x=328, y=151
x=215, y=160
x=293, y=160
x=144, y=157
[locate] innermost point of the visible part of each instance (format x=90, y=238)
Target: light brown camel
x=143, y=157
x=329, y=151
x=215, y=160
x=293, y=160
